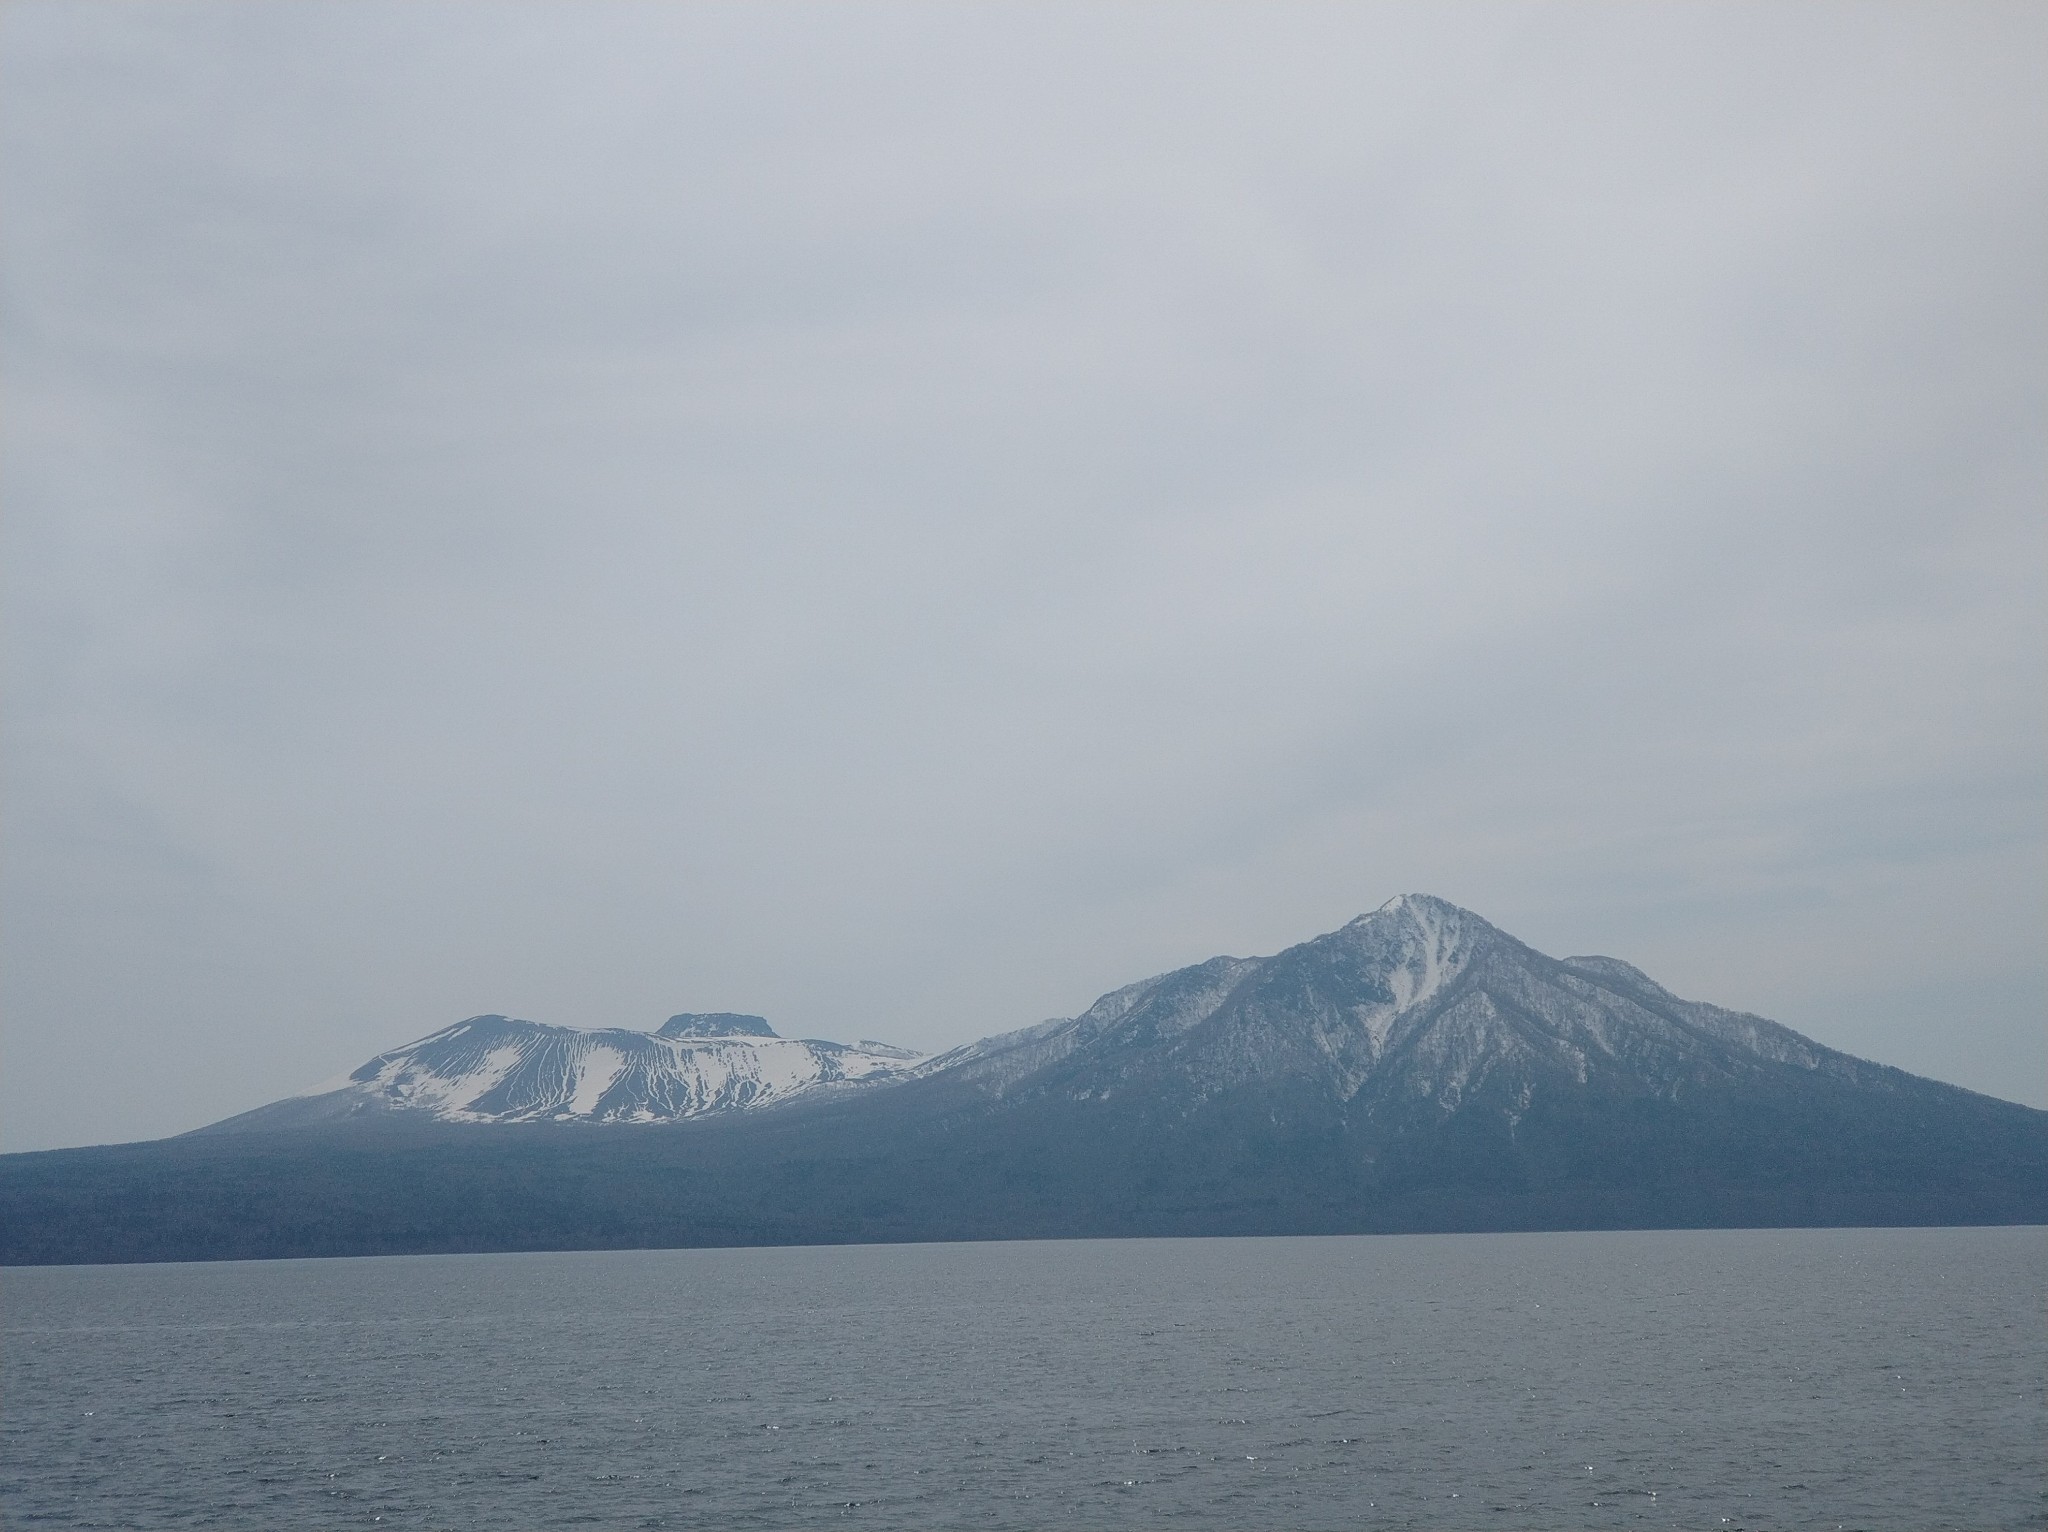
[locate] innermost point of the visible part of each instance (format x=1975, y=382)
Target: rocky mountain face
x=1418, y=1069
x=1421, y=1069
x=1418, y=1003
x=493, y=1069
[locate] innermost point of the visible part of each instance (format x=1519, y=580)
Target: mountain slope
x=1421, y=1068
x=1418, y=1069
x=492, y=1069
x=1418, y=1001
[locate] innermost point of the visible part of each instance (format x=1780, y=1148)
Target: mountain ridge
x=499, y=1069
x=1419, y=984
x=1413, y=962
x=1416, y=1069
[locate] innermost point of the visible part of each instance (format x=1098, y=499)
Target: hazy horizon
x=900, y=519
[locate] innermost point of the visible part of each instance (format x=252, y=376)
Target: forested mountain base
x=954, y=1170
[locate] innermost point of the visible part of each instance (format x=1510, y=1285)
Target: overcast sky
x=903, y=518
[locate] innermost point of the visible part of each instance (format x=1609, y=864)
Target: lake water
x=1736, y=1379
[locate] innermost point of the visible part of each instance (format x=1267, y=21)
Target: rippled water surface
x=1865, y=1378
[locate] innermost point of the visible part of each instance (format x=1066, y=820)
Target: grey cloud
x=901, y=519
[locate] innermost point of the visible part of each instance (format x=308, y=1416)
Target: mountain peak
x=714, y=1024
x=1415, y=944
x=501, y=1069
x=1422, y=908
x=1614, y=969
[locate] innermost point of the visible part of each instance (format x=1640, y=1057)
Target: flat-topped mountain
x=493, y=1069
x=1416, y=1069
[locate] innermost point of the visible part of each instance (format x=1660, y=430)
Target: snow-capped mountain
x=1417, y=1069
x=1418, y=1001
x=497, y=1069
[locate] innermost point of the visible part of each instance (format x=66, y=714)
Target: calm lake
x=1739, y=1379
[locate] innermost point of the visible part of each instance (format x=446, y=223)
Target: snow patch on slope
x=1417, y=946
x=495, y=1069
